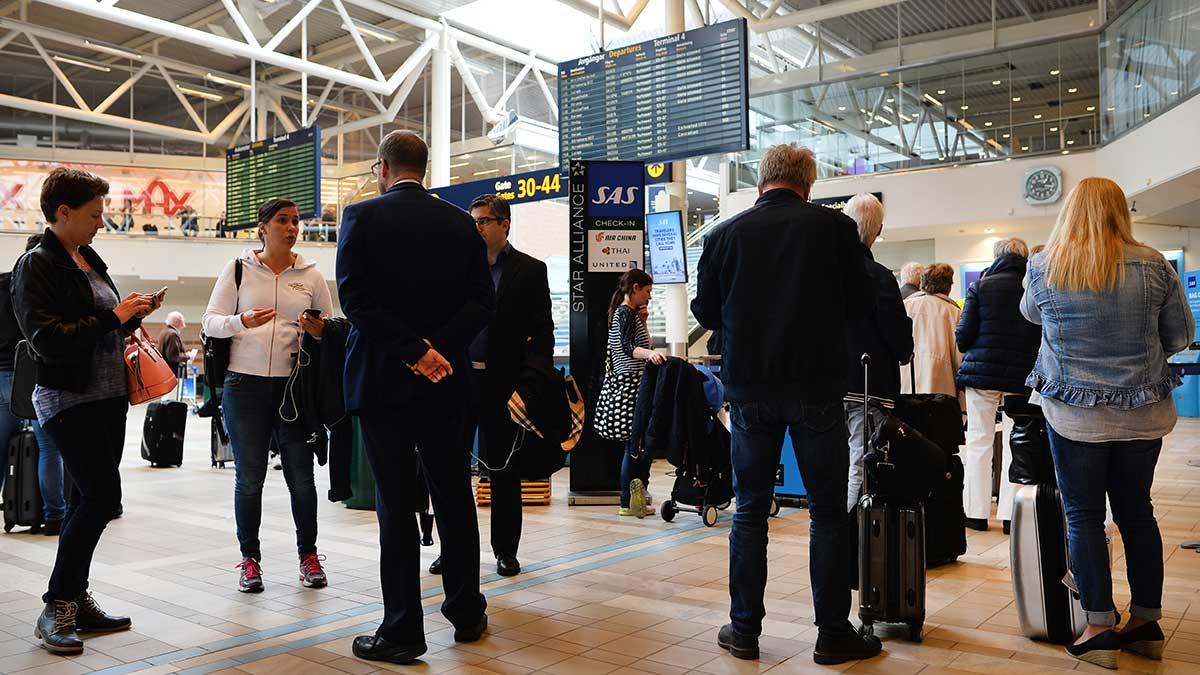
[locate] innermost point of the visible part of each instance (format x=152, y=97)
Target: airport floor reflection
x=597, y=595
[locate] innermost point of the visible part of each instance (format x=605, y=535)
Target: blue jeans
x=251, y=408
x=818, y=432
x=634, y=465
x=1123, y=470
x=50, y=475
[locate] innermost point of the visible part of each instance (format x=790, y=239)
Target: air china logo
x=623, y=195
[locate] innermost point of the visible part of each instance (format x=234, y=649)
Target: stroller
x=703, y=473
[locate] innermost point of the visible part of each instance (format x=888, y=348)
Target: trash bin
x=362, y=481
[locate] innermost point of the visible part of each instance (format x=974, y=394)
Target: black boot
x=740, y=646
x=436, y=567
x=841, y=646
x=92, y=619
x=56, y=628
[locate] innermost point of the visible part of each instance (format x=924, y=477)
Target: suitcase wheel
x=709, y=515
x=774, y=506
x=867, y=629
x=669, y=510
x=916, y=632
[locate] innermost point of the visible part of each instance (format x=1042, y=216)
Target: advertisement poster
x=668, y=261
x=1191, y=287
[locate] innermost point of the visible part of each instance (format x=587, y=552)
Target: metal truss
x=264, y=94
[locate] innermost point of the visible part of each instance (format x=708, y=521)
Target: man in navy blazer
x=413, y=279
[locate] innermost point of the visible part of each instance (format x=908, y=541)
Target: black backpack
x=216, y=350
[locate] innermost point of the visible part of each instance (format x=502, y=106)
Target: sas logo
x=1191, y=282
x=656, y=170
x=622, y=195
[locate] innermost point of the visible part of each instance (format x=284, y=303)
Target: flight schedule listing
x=677, y=96
x=286, y=166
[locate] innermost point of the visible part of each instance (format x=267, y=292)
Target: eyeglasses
x=484, y=220
x=375, y=168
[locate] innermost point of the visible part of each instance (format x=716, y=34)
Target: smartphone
x=313, y=313
x=160, y=295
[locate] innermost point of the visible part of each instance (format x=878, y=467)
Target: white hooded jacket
x=269, y=350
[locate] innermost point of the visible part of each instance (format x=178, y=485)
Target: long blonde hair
x=1086, y=250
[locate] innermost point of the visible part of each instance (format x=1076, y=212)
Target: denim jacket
x=1109, y=349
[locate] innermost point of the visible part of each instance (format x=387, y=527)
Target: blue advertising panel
x=1191, y=287
x=664, y=238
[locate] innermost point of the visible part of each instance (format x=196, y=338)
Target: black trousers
x=497, y=433
x=433, y=424
x=90, y=438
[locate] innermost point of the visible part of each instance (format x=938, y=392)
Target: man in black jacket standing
x=999, y=349
x=885, y=332
x=521, y=329
x=780, y=281
x=413, y=279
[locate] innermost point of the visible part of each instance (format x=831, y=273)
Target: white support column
x=253, y=101
x=439, y=113
x=304, y=76
x=676, y=309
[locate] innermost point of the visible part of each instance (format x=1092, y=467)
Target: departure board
x=284, y=167
x=674, y=97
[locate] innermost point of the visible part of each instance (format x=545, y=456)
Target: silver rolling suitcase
x=1046, y=607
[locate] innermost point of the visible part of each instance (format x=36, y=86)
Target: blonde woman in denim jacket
x=1112, y=311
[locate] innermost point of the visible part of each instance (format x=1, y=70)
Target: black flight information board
x=284, y=167
x=666, y=99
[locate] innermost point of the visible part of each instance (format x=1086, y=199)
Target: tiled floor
x=598, y=595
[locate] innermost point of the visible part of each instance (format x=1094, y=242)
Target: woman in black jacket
x=69, y=310
x=999, y=347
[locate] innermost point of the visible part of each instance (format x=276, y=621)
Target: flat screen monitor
x=668, y=253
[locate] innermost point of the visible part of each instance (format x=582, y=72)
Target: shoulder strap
x=237, y=286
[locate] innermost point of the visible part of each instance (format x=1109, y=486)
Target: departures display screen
x=283, y=167
x=674, y=97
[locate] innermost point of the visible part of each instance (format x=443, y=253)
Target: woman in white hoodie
x=265, y=316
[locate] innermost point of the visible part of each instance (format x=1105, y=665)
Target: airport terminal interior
x=969, y=123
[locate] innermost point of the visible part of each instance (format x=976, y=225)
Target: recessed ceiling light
x=1016, y=99
x=964, y=107
x=1145, y=114
x=1070, y=142
x=1025, y=147
x=1138, y=85
x=996, y=82
x=1110, y=108
x=842, y=108
x=891, y=100
x=1072, y=90
x=1175, y=93
x=883, y=74
x=1053, y=128
x=1037, y=116
x=1091, y=108
x=1054, y=72
x=987, y=124
x=1006, y=135
x=941, y=91
x=1066, y=152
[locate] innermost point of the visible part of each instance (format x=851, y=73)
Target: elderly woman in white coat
x=934, y=315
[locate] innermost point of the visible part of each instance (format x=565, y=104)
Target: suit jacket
x=410, y=268
x=522, y=326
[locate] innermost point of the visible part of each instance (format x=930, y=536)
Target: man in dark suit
x=413, y=279
x=521, y=329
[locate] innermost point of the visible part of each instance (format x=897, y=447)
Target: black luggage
x=891, y=531
x=937, y=416
x=1032, y=462
x=22, y=495
x=1038, y=549
x=162, y=433
x=945, y=536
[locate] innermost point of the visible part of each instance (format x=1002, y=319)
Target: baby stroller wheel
x=774, y=506
x=668, y=510
x=709, y=515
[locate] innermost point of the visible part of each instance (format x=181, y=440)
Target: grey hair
x=403, y=149
x=867, y=212
x=175, y=319
x=787, y=164
x=1011, y=246
x=911, y=274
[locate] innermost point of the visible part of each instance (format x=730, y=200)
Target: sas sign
x=616, y=189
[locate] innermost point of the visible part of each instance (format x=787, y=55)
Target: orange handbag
x=149, y=375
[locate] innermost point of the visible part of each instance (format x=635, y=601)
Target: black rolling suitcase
x=162, y=433
x=891, y=546
x=22, y=495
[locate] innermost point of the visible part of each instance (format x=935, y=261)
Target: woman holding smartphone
x=265, y=315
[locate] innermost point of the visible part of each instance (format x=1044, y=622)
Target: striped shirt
x=624, y=334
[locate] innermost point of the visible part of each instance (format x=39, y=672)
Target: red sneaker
x=312, y=574
x=251, y=579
